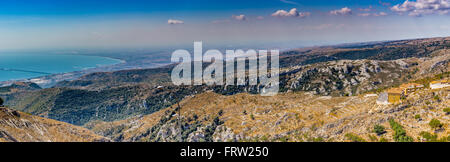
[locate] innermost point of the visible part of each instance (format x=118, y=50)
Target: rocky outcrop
x=224, y=134
x=345, y=77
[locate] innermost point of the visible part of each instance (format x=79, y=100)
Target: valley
x=326, y=94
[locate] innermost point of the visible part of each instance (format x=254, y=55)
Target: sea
x=25, y=66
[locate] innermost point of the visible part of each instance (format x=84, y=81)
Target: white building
x=440, y=84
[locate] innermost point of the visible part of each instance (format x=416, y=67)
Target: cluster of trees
x=399, y=132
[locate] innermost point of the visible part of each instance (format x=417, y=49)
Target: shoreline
x=50, y=80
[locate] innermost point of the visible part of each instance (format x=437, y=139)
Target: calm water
x=24, y=66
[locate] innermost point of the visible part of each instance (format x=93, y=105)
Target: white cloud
x=342, y=11
x=292, y=13
x=373, y=14
x=289, y=2
x=260, y=17
x=380, y=14
x=172, y=21
x=239, y=17
x=364, y=14
x=423, y=7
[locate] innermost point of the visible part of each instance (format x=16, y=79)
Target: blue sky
x=44, y=24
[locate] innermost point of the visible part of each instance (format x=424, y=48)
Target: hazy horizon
x=50, y=24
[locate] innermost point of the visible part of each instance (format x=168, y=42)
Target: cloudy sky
x=72, y=24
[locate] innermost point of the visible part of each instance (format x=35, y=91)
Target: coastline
x=49, y=80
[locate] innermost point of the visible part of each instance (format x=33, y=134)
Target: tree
x=1, y=101
x=435, y=124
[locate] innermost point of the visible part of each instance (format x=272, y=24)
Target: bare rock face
x=197, y=136
x=169, y=132
x=344, y=77
x=224, y=134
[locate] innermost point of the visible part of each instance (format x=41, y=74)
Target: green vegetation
x=417, y=116
x=428, y=136
x=435, y=124
x=382, y=139
x=437, y=98
x=399, y=132
x=379, y=130
x=447, y=110
x=354, y=138
x=433, y=137
x=318, y=139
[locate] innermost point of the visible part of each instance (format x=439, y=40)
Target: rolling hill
x=17, y=126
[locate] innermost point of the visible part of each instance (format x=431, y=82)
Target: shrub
x=435, y=124
x=378, y=129
x=428, y=136
x=382, y=139
x=399, y=132
x=437, y=98
x=417, y=116
x=1, y=101
x=318, y=139
x=354, y=138
x=447, y=110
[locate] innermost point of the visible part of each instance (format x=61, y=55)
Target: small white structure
x=371, y=95
x=383, y=99
x=440, y=84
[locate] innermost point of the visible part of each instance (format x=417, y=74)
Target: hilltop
x=17, y=126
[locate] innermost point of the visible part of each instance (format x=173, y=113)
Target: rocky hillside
x=17, y=126
x=19, y=86
x=389, y=50
x=287, y=117
x=79, y=104
x=353, y=77
x=346, y=77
